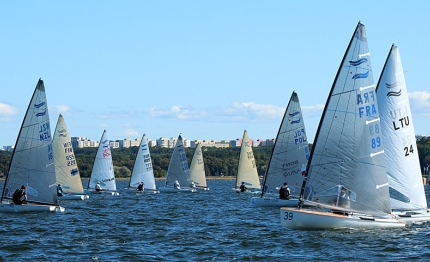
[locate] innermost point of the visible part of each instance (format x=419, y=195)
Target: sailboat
x=408, y=198
x=288, y=160
x=66, y=168
x=142, y=170
x=103, y=172
x=346, y=177
x=178, y=171
x=247, y=171
x=197, y=169
x=32, y=162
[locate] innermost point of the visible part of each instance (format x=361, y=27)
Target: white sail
x=178, y=166
x=247, y=170
x=197, y=168
x=142, y=170
x=290, y=152
x=401, y=152
x=103, y=171
x=66, y=168
x=348, y=152
x=32, y=162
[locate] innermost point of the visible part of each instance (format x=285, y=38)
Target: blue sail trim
x=357, y=76
x=391, y=85
x=42, y=113
x=294, y=113
x=39, y=105
x=295, y=121
x=358, y=62
x=399, y=93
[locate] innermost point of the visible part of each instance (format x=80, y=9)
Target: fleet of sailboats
x=408, y=198
x=142, y=170
x=103, y=172
x=66, y=167
x=247, y=170
x=346, y=175
x=197, y=169
x=32, y=162
x=363, y=170
x=178, y=172
x=288, y=160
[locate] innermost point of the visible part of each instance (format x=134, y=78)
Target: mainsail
x=103, y=171
x=290, y=152
x=32, y=162
x=348, y=153
x=247, y=170
x=178, y=166
x=401, y=152
x=197, y=168
x=66, y=168
x=142, y=170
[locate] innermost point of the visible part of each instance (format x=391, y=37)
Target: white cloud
x=7, y=110
x=252, y=111
x=420, y=99
x=312, y=111
x=130, y=133
x=59, y=109
x=179, y=112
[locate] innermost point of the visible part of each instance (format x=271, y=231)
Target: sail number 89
x=288, y=216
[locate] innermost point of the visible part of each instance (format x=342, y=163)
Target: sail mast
x=302, y=190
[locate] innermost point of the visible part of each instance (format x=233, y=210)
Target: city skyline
x=206, y=69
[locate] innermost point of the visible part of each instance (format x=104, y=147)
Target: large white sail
x=32, y=162
x=103, y=171
x=290, y=152
x=348, y=152
x=401, y=152
x=142, y=170
x=247, y=170
x=66, y=168
x=178, y=166
x=197, y=168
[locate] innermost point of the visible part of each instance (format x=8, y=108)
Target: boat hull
x=73, y=197
x=411, y=217
x=146, y=191
x=103, y=192
x=307, y=219
x=273, y=202
x=8, y=207
x=173, y=190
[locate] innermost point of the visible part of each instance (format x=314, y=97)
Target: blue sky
x=206, y=69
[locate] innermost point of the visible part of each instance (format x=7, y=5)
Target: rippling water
x=215, y=225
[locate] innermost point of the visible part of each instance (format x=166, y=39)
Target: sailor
x=98, y=188
x=20, y=196
x=59, y=190
x=243, y=188
x=140, y=186
x=176, y=185
x=284, y=191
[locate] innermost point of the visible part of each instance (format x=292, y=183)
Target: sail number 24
x=288, y=215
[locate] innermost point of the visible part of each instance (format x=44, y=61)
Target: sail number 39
x=288, y=216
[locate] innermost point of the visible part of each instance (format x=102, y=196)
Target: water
x=217, y=225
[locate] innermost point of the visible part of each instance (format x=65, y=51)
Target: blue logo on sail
x=42, y=113
x=39, y=105
x=144, y=147
x=294, y=113
x=61, y=133
x=358, y=62
x=365, y=75
x=399, y=93
x=296, y=121
x=74, y=172
x=391, y=85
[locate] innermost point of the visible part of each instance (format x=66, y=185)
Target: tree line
x=218, y=161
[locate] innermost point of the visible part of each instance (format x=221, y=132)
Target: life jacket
x=17, y=196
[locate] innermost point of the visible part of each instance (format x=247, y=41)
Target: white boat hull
x=273, y=202
x=146, y=191
x=103, y=192
x=307, y=219
x=202, y=188
x=8, y=207
x=411, y=217
x=174, y=190
x=73, y=197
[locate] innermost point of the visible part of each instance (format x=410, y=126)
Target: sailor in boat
x=140, y=186
x=98, y=187
x=243, y=188
x=20, y=197
x=284, y=191
x=193, y=185
x=176, y=185
x=341, y=200
x=59, y=190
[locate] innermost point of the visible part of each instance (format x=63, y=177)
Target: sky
x=206, y=69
